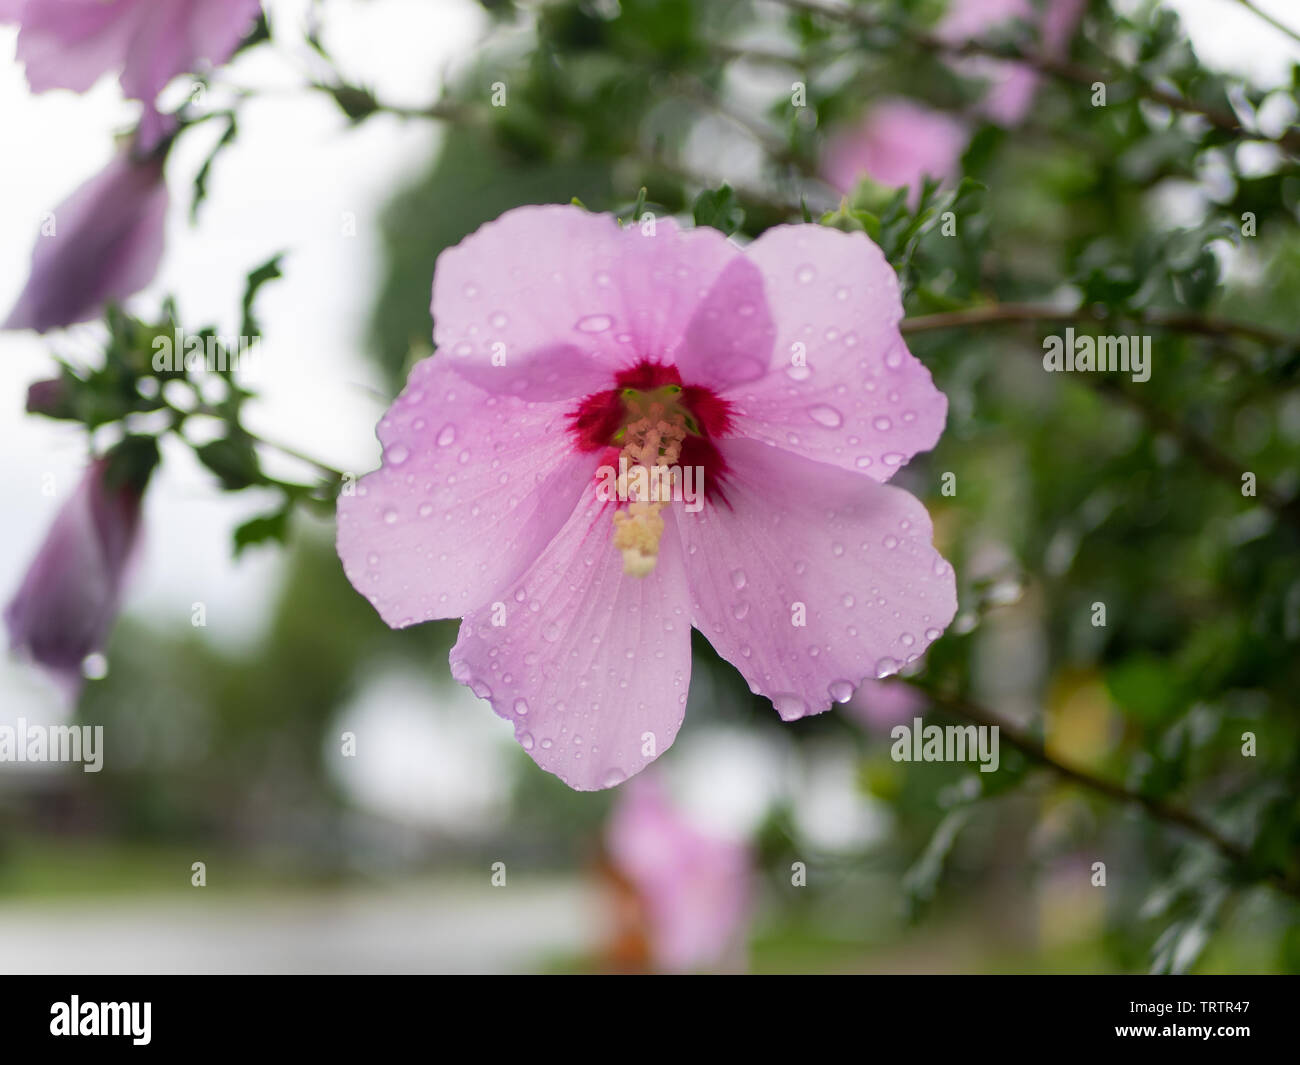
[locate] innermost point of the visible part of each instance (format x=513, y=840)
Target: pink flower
x=1012, y=85
x=69, y=44
x=695, y=890
x=69, y=599
x=100, y=245
x=883, y=704
x=776, y=375
x=898, y=143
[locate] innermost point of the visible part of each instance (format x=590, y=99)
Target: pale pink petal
x=899, y=143
x=191, y=35
x=1012, y=86
x=69, y=597
x=100, y=245
x=69, y=44
x=589, y=665
x=11, y=10
x=697, y=888
x=729, y=340
x=861, y=400
x=556, y=279
x=851, y=557
x=472, y=488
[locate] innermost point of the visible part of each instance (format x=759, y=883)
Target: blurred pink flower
x=68, y=600
x=100, y=245
x=69, y=44
x=882, y=704
x=1012, y=85
x=898, y=143
x=568, y=344
x=696, y=890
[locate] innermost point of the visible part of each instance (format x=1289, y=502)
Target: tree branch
x=1158, y=809
x=1060, y=69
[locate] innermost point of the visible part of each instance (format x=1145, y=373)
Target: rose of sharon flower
x=69, y=599
x=570, y=348
x=695, y=890
x=102, y=244
x=69, y=44
x=898, y=143
x=1012, y=85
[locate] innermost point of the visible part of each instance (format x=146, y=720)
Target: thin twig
x=1270, y=19
x=1061, y=69
x=1163, y=811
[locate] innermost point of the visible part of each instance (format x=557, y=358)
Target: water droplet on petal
x=789, y=705
x=447, y=436
x=521, y=707
x=390, y=516
x=827, y=416
x=594, y=323
x=841, y=690
x=805, y=274
x=397, y=454
x=526, y=740
x=551, y=631
x=886, y=667
x=738, y=579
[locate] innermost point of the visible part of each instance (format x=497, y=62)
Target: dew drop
x=886, y=667
x=447, y=436
x=521, y=707
x=789, y=705
x=841, y=690
x=805, y=274
x=594, y=323
x=738, y=579
x=827, y=416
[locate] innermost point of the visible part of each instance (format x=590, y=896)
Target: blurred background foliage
x=1071, y=490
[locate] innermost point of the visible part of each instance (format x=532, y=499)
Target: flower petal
x=590, y=665
x=68, y=44
x=105, y=244
x=471, y=489
x=543, y=279
x=730, y=337
x=862, y=401
x=854, y=558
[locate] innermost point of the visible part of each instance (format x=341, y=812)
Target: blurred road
x=460, y=929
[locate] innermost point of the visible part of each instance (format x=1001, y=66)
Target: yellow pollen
x=652, y=442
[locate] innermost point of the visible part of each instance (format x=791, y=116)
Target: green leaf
x=234, y=460
x=201, y=178
x=268, y=271
x=266, y=528
x=718, y=208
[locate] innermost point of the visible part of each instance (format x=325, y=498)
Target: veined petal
x=844, y=389
x=813, y=579
x=554, y=279
x=589, y=665
x=472, y=488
